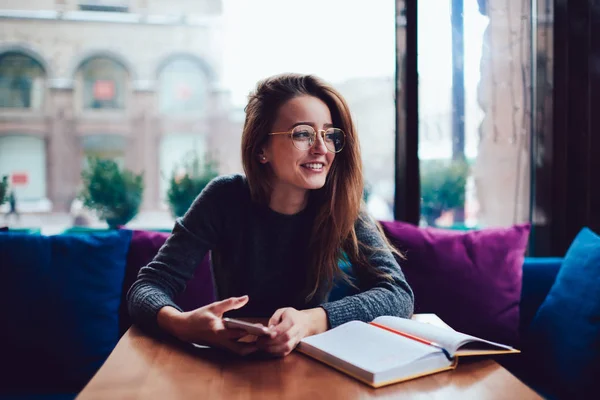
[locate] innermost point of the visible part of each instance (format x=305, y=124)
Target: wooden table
x=141, y=367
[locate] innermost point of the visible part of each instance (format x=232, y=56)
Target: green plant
x=3, y=189
x=188, y=181
x=113, y=193
x=443, y=185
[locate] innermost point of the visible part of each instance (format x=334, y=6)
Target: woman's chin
x=315, y=182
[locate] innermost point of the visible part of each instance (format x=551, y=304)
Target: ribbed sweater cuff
x=338, y=313
x=147, y=307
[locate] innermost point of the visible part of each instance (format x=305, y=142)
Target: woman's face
x=293, y=168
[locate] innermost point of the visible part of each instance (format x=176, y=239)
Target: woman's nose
x=319, y=144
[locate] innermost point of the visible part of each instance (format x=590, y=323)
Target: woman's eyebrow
x=325, y=126
x=302, y=123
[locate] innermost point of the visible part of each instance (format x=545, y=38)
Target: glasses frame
x=320, y=132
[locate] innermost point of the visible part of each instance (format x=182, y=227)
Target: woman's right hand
x=205, y=325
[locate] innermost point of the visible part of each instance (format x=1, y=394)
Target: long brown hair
x=338, y=203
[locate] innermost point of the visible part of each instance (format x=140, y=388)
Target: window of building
x=104, y=83
x=183, y=87
x=23, y=160
x=107, y=147
x=177, y=149
x=104, y=5
x=21, y=81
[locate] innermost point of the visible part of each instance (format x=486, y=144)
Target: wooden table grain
x=142, y=367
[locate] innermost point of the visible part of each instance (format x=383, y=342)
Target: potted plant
x=115, y=194
x=443, y=185
x=187, y=181
x=3, y=189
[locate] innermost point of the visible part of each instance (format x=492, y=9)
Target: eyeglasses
x=304, y=137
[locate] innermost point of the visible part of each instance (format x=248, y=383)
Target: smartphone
x=252, y=329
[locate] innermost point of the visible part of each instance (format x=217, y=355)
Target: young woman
x=278, y=233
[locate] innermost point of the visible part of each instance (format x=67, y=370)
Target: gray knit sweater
x=261, y=253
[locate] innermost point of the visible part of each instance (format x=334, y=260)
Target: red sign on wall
x=104, y=90
x=19, y=179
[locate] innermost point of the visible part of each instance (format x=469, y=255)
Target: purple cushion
x=471, y=280
x=3, y=228
x=144, y=245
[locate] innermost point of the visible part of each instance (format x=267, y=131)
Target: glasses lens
x=334, y=139
x=303, y=137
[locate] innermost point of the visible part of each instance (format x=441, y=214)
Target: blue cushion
x=25, y=264
x=44, y=396
x=66, y=292
x=539, y=274
x=564, y=345
x=341, y=288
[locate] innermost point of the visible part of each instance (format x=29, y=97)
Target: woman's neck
x=288, y=201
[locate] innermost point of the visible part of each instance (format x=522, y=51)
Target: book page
x=368, y=347
x=429, y=318
x=449, y=339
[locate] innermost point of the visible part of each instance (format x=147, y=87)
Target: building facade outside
x=372, y=103
x=136, y=81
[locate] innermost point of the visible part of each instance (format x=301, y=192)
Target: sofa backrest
x=539, y=274
x=74, y=257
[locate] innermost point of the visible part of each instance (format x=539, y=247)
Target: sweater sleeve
x=192, y=237
x=378, y=296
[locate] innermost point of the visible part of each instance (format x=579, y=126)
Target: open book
x=391, y=349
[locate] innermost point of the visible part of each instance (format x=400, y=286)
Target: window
x=23, y=160
x=475, y=107
x=265, y=38
x=108, y=146
x=182, y=87
x=104, y=84
x=104, y=5
x=21, y=81
x=175, y=150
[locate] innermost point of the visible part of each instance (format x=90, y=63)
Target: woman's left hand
x=289, y=326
